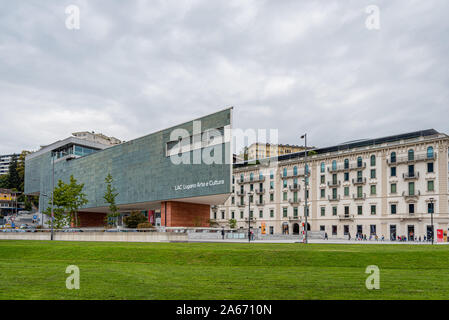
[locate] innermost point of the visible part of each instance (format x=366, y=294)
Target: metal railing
x=410, y=175
x=359, y=181
x=417, y=157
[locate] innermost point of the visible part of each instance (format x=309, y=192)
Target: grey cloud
x=138, y=66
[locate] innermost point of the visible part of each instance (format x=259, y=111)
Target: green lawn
x=36, y=270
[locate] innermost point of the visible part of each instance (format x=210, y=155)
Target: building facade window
x=284, y=172
x=430, y=153
x=359, y=162
x=373, y=209
x=295, y=170
x=373, y=173
x=323, y=211
x=430, y=167
x=346, y=176
x=360, y=210
x=323, y=193
x=411, y=155
x=322, y=179
x=322, y=167
x=393, y=171
x=430, y=185
x=271, y=197
x=271, y=213
x=393, y=209
x=411, y=188
x=334, y=165
x=373, y=189
x=393, y=188
x=346, y=163
x=284, y=196
x=334, y=211
x=284, y=212
x=393, y=157
x=373, y=160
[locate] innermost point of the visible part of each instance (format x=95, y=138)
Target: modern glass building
x=175, y=174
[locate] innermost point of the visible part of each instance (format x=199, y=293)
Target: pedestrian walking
x=222, y=233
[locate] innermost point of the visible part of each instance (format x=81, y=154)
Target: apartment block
x=389, y=187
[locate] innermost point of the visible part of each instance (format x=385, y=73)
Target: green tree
x=67, y=199
x=109, y=197
x=13, y=179
x=232, y=223
x=4, y=181
x=21, y=169
x=133, y=220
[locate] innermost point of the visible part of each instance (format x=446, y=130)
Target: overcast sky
x=135, y=67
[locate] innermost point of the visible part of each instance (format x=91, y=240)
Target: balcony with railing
x=257, y=179
x=241, y=193
x=294, y=201
x=415, y=158
x=260, y=191
x=241, y=204
x=260, y=203
x=294, y=218
x=334, y=184
x=341, y=167
x=411, y=195
x=346, y=217
x=252, y=219
x=358, y=181
x=411, y=216
x=333, y=198
x=359, y=196
x=298, y=174
x=294, y=187
x=410, y=175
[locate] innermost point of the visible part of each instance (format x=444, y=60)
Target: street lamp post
x=52, y=194
x=249, y=216
x=431, y=216
x=305, y=188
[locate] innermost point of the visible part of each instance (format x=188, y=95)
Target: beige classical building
x=97, y=137
x=385, y=187
x=267, y=150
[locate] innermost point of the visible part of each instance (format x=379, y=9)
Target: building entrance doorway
x=285, y=228
x=295, y=228
x=393, y=232
x=411, y=233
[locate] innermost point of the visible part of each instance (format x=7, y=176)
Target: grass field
x=36, y=270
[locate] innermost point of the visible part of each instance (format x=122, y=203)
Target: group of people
x=364, y=237
x=413, y=238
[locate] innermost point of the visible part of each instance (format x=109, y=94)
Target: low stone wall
x=97, y=236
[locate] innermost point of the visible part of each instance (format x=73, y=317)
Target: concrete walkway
x=331, y=241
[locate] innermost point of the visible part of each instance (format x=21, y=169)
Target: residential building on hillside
x=97, y=137
x=267, y=150
x=5, y=161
